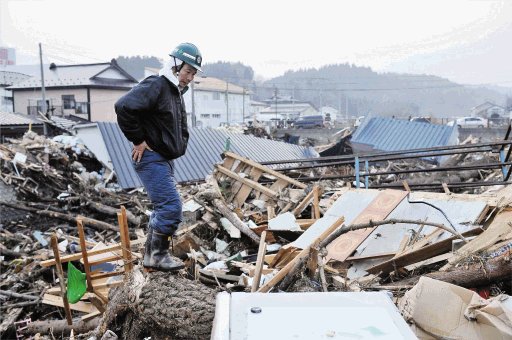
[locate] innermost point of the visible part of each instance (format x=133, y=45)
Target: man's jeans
x=157, y=176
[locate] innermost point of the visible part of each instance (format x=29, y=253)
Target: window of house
x=81, y=108
x=216, y=96
x=216, y=115
x=203, y=115
x=40, y=106
x=68, y=101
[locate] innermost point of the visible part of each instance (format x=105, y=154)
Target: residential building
x=86, y=91
x=285, y=108
x=8, y=78
x=488, y=110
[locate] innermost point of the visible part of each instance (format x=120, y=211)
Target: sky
x=465, y=41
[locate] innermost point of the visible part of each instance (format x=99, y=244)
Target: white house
x=488, y=110
x=8, y=78
x=285, y=108
x=87, y=91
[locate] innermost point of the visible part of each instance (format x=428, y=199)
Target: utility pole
x=227, y=103
x=275, y=101
x=243, y=105
x=44, y=108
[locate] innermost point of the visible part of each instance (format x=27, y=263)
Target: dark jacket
x=153, y=111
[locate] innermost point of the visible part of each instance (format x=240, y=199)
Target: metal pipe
x=390, y=153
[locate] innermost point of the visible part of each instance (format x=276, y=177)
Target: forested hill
x=363, y=91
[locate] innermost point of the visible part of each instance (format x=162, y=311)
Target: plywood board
x=461, y=212
x=377, y=210
x=349, y=204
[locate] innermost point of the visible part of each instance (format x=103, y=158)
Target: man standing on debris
x=152, y=116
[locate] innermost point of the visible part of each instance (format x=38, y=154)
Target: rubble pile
x=251, y=229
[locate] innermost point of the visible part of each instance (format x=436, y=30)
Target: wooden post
x=60, y=274
x=406, y=186
x=125, y=240
x=85, y=257
x=316, y=208
x=259, y=262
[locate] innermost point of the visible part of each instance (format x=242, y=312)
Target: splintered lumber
x=266, y=170
x=421, y=254
x=60, y=326
x=235, y=220
x=96, y=224
x=259, y=262
x=385, y=202
x=253, y=184
x=60, y=274
x=497, y=231
x=294, y=265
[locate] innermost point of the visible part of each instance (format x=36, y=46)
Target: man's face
x=186, y=75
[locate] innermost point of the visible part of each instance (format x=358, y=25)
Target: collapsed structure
x=357, y=224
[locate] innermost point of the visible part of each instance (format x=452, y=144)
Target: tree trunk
x=494, y=270
x=160, y=306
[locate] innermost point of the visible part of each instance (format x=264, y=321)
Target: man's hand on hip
x=138, y=151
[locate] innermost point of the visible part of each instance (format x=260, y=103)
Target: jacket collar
x=166, y=71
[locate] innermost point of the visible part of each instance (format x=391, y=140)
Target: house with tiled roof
x=86, y=91
x=9, y=78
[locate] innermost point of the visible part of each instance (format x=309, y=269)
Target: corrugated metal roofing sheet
x=386, y=134
x=204, y=150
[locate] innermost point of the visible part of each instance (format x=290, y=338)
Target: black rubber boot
x=156, y=254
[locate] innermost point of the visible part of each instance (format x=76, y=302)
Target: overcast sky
x=466, y=41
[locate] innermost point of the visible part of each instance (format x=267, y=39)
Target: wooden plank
x=259, y=263
x=78, y=256
x=421, y=254
x=267, y=170
x=271, y=213
x=242, y=195
x=305, y=252
x=252, y=184
x=303, y=204
x=427, y=262
x=499, y=228
x=430, y=238
x=80, y=306
x=90, y=316
x=236, y=186
x=60, y=274
x=277, y=186
x=381, y=206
